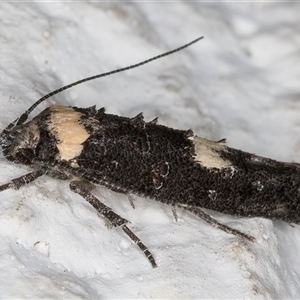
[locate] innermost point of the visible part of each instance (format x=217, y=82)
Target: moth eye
x=25, y=156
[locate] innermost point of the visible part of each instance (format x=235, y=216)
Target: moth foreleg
x=204, y=216
x=16, y=183
x=83, y=188
x=58, y=175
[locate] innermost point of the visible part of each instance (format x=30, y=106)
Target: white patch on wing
x=207, y=153
x=69, y=133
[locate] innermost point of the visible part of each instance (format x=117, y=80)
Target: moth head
x=19, y=142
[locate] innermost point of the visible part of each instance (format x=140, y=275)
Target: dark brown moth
x=89, y=147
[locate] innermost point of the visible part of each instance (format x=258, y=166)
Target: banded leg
x=130, y=198
x=204, y=216
x=174, y=213
x=16, y=183
x=83, y=189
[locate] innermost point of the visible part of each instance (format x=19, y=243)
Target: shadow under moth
x=89, y=147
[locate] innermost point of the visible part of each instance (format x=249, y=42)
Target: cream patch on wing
x=69, y=133
x=207, y=153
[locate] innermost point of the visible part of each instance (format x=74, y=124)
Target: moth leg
x=130, y=198
x=83, y=189
x=174, y=213
x=16, y=183
x=58, y=175
x=204, y=216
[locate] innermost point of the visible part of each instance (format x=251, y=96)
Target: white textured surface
x=241, y=82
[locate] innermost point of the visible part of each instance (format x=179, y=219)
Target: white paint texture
x=241, y=82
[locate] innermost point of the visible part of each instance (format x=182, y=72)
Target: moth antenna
x=25, y=115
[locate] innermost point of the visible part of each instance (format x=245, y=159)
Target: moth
x=89, y=147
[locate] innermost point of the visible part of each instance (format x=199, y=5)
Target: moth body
x=89, y=147
x=164, y=164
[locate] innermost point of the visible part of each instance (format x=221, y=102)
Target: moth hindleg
x=83, y=189
x=204, y=216
x=18, y=182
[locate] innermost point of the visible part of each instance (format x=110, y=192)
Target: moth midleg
x=140, y=245
x=130, y=198
x=18, y=182
x=210, y=220
x=174, y=213
x=83, y=189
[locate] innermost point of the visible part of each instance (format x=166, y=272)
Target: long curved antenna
x=25, y=115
